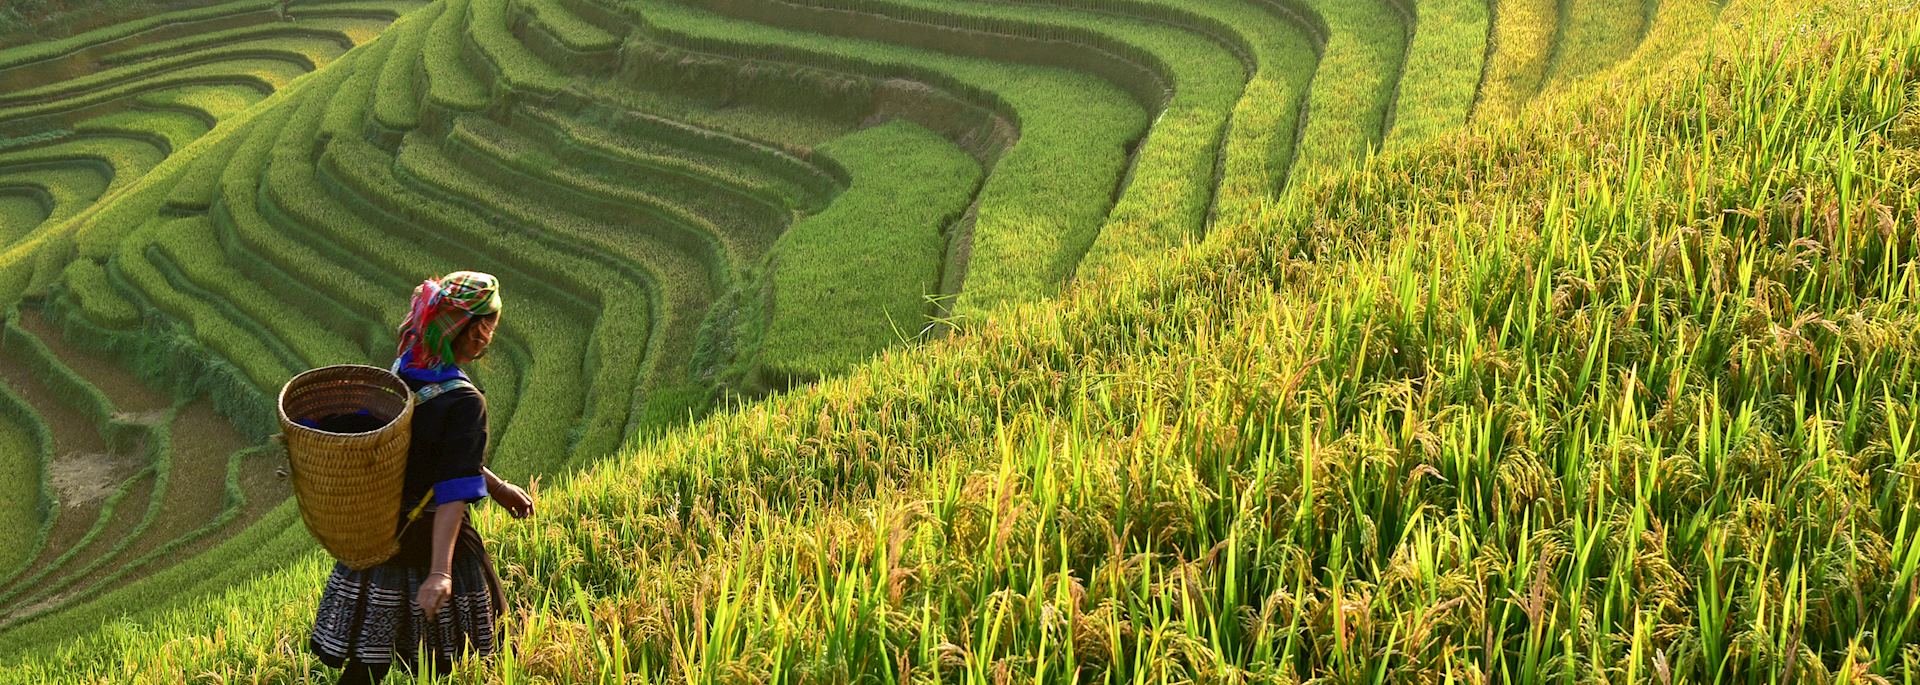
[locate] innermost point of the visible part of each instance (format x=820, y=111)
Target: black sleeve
x=463, y=449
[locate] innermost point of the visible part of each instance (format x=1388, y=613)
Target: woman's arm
x=516, y=500
x=438, y=586
x=493, y=482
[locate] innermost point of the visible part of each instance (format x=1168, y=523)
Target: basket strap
x=428, y=392
x=421, y=507
x=414, y=515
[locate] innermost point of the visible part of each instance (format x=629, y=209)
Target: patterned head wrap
x=440, y=308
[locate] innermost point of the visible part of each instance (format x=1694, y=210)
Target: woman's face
x=473, y=341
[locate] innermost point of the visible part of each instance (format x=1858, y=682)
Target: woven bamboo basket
x=348, y=484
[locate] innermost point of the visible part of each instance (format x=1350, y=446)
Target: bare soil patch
x=83, y=479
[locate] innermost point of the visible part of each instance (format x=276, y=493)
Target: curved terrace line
x=1409, y=19
x=57, y=92
x=95, y=101
x=28, y=157
x=249, y=34
x=1003, y=38
x=1077, y=223
x=204, y=117
x=1120, y=36
x=112, y=38
x=35, y=193
x=1233, y=38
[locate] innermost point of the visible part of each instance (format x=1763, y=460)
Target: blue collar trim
x=438, y=374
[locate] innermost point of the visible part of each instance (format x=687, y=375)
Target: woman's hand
x=438, y=586
x=433, y=593
x=516, y=500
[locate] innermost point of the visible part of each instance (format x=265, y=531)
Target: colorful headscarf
x=440, y=308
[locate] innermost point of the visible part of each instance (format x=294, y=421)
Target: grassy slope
x=21, y=511
x=1522, y=38
x=1046, y=197
x=1443, y=66
x=20, y=211
x=855, y=278
x=1621, y=393
x=1594, y=34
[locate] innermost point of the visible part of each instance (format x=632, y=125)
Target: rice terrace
x=966, y=341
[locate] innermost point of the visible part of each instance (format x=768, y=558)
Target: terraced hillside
x=113, y=477
x=691, y=202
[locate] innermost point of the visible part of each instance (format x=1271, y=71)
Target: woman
x=436, y=600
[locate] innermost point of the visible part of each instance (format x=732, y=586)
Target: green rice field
x=991, y=341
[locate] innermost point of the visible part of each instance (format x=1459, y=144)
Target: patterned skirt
x=369, y=616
